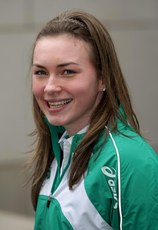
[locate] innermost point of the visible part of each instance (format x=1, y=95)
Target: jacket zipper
x=49, y=200
x=59, y=180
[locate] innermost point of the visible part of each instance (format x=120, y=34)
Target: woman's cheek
x=37, y=90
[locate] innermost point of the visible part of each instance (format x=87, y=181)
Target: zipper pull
x=49, y=200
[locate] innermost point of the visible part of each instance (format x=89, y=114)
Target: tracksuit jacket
x=119, y=190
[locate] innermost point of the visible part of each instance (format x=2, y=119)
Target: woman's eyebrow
x=66, y=64
x=58, y=66
x=38, y=66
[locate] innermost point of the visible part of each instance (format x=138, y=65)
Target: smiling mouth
x=58, y=104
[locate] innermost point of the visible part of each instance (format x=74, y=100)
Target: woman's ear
x=101, y=86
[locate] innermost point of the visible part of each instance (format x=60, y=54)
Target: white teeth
x=59, y=103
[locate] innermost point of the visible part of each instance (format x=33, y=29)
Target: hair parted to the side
x=86, y=27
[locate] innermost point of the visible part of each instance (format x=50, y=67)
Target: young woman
x=92, y=168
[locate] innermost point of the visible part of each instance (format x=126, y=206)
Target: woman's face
x=65, y=82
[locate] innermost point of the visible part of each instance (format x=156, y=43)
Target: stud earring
x=103, y=89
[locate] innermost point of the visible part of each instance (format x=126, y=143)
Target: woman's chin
x=55, y=122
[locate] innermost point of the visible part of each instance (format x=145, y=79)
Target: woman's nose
x=52, y=85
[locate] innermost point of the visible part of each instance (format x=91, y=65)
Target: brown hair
x=86, y=27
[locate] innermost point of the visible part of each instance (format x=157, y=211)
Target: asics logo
x=111, y=174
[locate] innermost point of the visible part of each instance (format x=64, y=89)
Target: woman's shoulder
x=130, y=147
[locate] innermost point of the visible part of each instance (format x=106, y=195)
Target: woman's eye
x=68, y=72
x=40, y=73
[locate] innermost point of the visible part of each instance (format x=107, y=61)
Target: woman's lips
x=59, y=103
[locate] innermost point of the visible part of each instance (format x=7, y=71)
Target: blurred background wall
x=133, y=26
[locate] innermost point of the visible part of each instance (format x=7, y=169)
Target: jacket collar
x=57, y=131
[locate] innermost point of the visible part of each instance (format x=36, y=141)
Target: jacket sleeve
x=139, y=186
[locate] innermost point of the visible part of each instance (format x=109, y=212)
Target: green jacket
x=118, y=191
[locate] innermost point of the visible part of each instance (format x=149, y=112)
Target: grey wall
x=133, y=26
